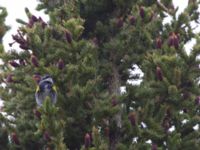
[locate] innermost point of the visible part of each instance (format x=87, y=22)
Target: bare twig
x=162, y=6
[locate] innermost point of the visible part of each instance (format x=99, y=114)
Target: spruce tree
x=3, y=130
x=91, y=48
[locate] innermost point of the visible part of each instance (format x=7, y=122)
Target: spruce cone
x=159, y=73
x=87, y=140
x=14, y=138
x=132, y=118
x=34, y=60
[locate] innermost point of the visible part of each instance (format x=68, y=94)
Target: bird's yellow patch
x=37, y=89
x=54, y=88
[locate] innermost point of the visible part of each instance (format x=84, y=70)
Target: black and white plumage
x=45, y=88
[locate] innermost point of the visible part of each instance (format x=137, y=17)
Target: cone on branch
x=158, y=43
x=46, y=136
x=170, y=41
x=68, y=36
x=142, y=12
x=43, y=23
x=34, y=60
x=166, y=124
x=132, y=20
x=114, y=101
x=14, y=64
x=19, y=38
x=197, y=101
x=22, y=62
x=159, y=74
x=60, y=64
x=14, y=138
x=37, y=113
x=87, y=140
x=32, y=20
x=173, y=40
x=132, y=118
x=106, y=131
x=154, y=147
x=9, y=78
x=24, y=46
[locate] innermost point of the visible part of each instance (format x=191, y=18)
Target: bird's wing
x=38, y=98
x=53, y=96
x=54, y=88
x=37, y=89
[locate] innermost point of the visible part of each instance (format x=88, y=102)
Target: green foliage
x=3, y=129
x=3, y=27
x=50, y=126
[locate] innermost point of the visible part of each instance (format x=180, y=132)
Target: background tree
x=3, y=130
x=91, y=48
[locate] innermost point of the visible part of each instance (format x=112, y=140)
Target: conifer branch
x=162, y=6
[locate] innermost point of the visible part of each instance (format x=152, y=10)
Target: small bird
x=45, y=88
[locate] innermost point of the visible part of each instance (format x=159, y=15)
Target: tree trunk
x=114, y=90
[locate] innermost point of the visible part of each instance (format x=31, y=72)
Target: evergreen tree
x=90, y=48
x=3, y=130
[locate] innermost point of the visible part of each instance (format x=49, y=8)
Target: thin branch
x=162, y=6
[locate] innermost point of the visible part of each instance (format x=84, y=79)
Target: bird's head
x=46, y=83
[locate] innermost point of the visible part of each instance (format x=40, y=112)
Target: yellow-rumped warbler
x=46, y=88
